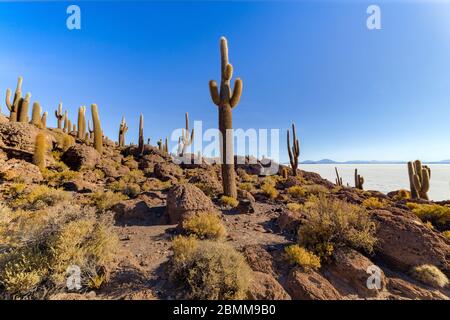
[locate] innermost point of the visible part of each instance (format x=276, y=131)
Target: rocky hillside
x=139, y=226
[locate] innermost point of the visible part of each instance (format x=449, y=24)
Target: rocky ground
x=156, y=194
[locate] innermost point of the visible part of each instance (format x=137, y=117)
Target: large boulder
x=20, y=170
x=80, y=156
x=310, y=286
x=259, y=259
x=168, y=172
x=349, y=273
x=207, y=180
x=186, y=199
x=18, y=135
x=265, y=287
x=405, y=242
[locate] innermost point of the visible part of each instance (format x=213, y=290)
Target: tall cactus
x=66, y=128
x=419, y=180
x=40, y=148
x=36, y=114
x=226, y=101
x=339, y=181
x=23, y=109
x=14, y=106
x=141, y=135
x=98, y=134
x=166, y=146
x=81, y=122
x=185, y=140
x=359, y=180
x=69, y=126
x=295, y=151
x=44, y=120
x=60, y=116
x=123, y=128
x=160, y=145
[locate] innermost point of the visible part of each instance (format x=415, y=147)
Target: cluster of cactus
x=419, y=180
x=338, y=178
x=293, y=152
x=185, y=140
x=226, y=100
x=359, y=180
x=18, y=107
x=122, y=131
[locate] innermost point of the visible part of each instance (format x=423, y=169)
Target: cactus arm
x=8, y=100
x=214, y=91
x=237, y=92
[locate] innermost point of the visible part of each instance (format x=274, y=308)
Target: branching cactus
x=81, y=122
x=185, y=140
x=225, y=99
x=14, y=106
x=40, y=148
x=66, y=128
x=60, y=116
x=44, y=120
x=293, y=152
x=359, y=180
x=23, y=109
x=123, y=128
x=141, y=135
x=36, y=114
x=419, y=180
x=98, y=134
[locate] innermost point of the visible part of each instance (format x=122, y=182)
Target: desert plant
x=229, y=202
x=205, y=225
x=40, y=197
x=209, y=270
x=402, y=195
x=81, y=123
x=60, y=116
x=14, y=106
x=359, y=180
x=226, y=101
x=316, y=189
x=269, y=190
x=374, y=203
x=141, y=135
x=91, y=130
x=438, y=215
x=430, y=275
x=40, y=149
x=446, y=234
x=66, y=128
x=123, y=128
x=300, y=256
x=296, y=192
x=294, y=207
x=294, y=152
x=185, y=140
x=36, y=114
x=419, y=179
x=23, y=109
x=338, y=178
x=98, y=134
x=331, y=223
x=106, y=200
x=43, y=124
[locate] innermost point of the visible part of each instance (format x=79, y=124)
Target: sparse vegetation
x=402, y=195
x=438, y=215
x=296, y=192
x=331, y=223
x=205, y=225
x=300, y=256
x=106, y=200
x=294, y=207
x=40, y=197
x=374, y=203
x=430, y=275
x=229, y=202
x=209, y=270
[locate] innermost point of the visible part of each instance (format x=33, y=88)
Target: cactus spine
x=419, y=180
x=98, y=134
x=359, y=180
x=122, y=131
x=60, y=116
x=185, y=140
x=141, y=134
x=226, y=100
x=81, y=122
x=36, y=114
x=14, y=106
x=295, y=151
x=40, y=147
x=23, y=109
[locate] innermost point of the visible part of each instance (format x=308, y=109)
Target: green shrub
x=209, y=270
x=331, y=223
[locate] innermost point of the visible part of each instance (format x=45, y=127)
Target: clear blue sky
x=353, y=93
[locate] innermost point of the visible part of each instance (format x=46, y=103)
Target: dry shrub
x=40, y=197
x=430, y=275
x=374, y=203
x=296, y=192
x=268, y=188
x=43, y=244
x=300, y=256
x=229, y=202
x=247, y=186
x=331, y=223
x=438, y=215
x=106, y=200
x=129, y=184
x=294, y=207
x=446, y=234
x=63, y=140
x=402, y=195
x=316, y=189
x=209, y=270
x=58, y=178
x=205, y=225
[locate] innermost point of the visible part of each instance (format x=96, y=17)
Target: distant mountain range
x=329, y=161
